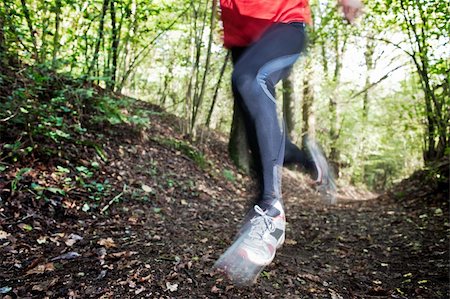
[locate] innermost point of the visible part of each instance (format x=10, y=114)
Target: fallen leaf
x=290, y=242
x=123, y=253
x=44, y=286
x=48, y=267
x=147, y=189
x=25, y=227
x=108, y=242
x=334, y=294
x=3, y=235
x=172, y=287
x=41, y=240
x=5, y=290
x=438, y=212
x=101, y=275
x=67, y=256
x=140, y=290
x=85, y=207
x=72, y=239
x=310, y=277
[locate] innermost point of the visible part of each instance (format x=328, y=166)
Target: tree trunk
x=333, y=103
x=368, y=56
x=26, y=12
x=307, y=101
x=114, y=47
x=288, y=105
x=99, y=36
x=238, y=146
x=216, y=91
x=199, y=98
x=2, y=36
x=56, y=35
x=437, y=117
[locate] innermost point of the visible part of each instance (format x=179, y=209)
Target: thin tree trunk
x=2, y=36
x=333, y=104
x=114, y=46
x=196, y=70
x=436, y=139
x=238, y=146
x=368, y=56
x=308, y=100
x=99, y=36
x=56, y=35
x=199, y=99
x=26, y=12
x=288, y=104
x=216, y=91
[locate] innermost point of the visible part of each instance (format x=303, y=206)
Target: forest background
x=375, y=94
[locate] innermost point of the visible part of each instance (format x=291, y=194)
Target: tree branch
x=377, y=82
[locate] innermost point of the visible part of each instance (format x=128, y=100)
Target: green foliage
x=229, y=175
x=18, y=177
x=47, y=111
x=114, y=111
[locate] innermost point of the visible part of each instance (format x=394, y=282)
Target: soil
x=153, y=220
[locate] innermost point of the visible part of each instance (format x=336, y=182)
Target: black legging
x=257, y=69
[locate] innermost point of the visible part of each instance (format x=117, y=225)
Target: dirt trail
x=166, y=220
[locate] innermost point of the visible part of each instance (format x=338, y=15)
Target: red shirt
x=244, y=21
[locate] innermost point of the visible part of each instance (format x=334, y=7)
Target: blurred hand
x=351, y=8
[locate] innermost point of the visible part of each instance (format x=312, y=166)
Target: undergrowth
x=42, y=112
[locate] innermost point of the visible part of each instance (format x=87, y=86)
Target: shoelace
x=261, y=223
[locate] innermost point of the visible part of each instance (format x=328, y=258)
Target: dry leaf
x=67, y=256
x=290, y=242
x=3, y=235
x=41, y=240
x=147, y=189
x=123, y=253
x=72, y=239
x=108, y=242
x=140, y=290
x=310, y=277
x=172, y=287
x=44, y=286
x=42, y=269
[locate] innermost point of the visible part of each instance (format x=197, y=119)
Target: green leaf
x=82, y=169
x=25, y=227
x=85, y=207
x=62, y=169
x=56, y=190
x=62, y=134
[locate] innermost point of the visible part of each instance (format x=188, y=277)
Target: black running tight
x=257, y=69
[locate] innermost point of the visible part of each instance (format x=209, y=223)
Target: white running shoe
x=265, y=234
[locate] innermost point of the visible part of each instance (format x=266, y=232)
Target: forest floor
x=150, y=214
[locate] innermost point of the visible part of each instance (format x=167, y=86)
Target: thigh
x=279, y=41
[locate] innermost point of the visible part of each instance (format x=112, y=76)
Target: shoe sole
x=238, y=267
